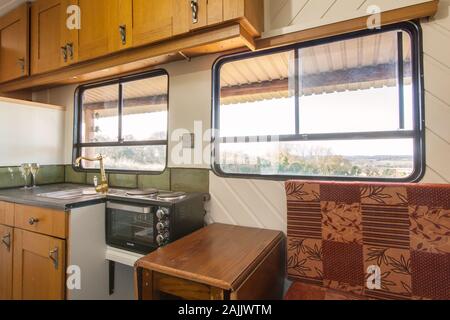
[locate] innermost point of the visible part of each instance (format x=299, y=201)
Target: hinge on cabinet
x=21, y=63
x=54, y=256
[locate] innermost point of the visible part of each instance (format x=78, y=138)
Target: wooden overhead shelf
x=202, y=42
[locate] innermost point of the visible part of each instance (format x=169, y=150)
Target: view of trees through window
x=340, y=109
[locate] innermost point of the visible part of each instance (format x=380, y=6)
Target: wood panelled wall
x=284, y=16
x=436, y=34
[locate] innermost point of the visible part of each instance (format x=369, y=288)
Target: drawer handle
x=54, y=256
x=64, y=53
x=33, y=221
x=7, y=241
x=70, y=50
x=194, y=8
x=123, y=34
x=21, y=63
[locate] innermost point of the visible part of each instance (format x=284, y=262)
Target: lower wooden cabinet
x=6, y=262
x=39, y=267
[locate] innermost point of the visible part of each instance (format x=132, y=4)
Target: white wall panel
x=246, y=202
x=30, y=134
x=284, y=16
x=436, y=35
x=438, y=117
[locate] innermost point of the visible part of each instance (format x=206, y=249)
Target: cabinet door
x=7, y=213
x=233, y=9
x=39, y=267
x=152, y=21
x=93, y=37
x=47, y=22
x=214, y=12
x=69, y=33
x=6, y=262
x=14, y=31
x=121, y=24
x=208, y=12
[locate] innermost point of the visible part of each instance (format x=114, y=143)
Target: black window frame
x=414, y=30
x=78, y=112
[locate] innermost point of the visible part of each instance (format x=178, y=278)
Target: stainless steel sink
x=69, y=194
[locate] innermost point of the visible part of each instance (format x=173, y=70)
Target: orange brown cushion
x=337, y=231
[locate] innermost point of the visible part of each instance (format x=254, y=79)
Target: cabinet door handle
x=54, y=256
x=194, y=8
x=6, y=240
x=70, y=50
x=64, y=53
x=33, y=221
x=21, y=63
x=123, y=34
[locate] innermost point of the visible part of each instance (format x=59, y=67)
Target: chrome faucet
x=103, y=188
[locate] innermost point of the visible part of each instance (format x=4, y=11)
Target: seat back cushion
x=379, y=241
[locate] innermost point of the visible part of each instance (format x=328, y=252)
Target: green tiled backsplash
x=189, y=180
x=10, y=177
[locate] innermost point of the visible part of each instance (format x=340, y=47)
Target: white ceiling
x=8, y=5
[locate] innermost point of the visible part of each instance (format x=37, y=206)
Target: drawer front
x=41, y=220
x=7, y=213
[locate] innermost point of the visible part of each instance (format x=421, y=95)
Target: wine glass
x=34, y=169
x=25, y=170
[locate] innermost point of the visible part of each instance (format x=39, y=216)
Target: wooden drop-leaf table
x=218, y=262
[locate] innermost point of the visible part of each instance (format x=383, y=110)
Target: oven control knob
x=162, y=213
x=162, y=226
x=162, y=239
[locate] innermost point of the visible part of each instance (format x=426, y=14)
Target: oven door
x=131, y=227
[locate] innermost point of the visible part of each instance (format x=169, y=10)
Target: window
x=124, y=120
x=348, y=107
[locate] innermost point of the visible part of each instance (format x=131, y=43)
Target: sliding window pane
x=353, y=85
x=145, y=109
x=100, y=114
x=136, y=158
x=352, y=158
x=257, y=96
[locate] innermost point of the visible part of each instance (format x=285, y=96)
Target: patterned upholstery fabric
x=337, y=232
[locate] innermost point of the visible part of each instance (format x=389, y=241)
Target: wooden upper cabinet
x=209, y=12
x=95, y=31
x=214, y=12
x=39, y=267
x=120, y=24
x=6, y=262
x=152, y=20
x=14, y=48
x=47, y=42
x=53, y=44
x=69, y=32
x=191, y=15
x=250, y=13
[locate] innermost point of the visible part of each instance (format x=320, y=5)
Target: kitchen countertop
x=32, y=197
